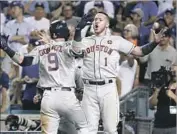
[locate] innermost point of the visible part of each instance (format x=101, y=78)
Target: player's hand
x=36, y=98
x=158, y=36
x=86, y=20
x=26, y=79
x=4, y=40
x=44, y=37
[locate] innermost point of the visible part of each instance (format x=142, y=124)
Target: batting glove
x=86, y=20
x=3, y=43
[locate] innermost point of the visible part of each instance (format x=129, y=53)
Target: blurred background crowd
x=131, y=19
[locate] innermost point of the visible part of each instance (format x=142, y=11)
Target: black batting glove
x=3, y=43
x=86, y=20
x=4, y=46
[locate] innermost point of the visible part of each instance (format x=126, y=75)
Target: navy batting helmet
x=59, y=29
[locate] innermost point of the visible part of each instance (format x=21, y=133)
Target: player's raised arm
x=77, y=46
x=16, y=57
x=149, y=47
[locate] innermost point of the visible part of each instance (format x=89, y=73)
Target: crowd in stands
x=132, y=19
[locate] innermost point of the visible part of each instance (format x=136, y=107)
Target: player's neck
x=101, y=34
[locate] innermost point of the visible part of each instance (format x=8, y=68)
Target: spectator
x=38, y=21
x=54, y=5
x=9, y=13
x=131, y=33
x=163, y=5
x=29, y=6
x=18, y=31
x=118, y=20
x=127, y=64
x=169, y=18
x=56, y=9
x=137, y=16
x=68, y=13
x=107, y=5
x=116, y=31
x=174, y=6
x=149, y=9
x=163, y=55
x=128, y=7
x=4, y=85
x=3, y=19
x=128, y=67
x=165, y=99
x=30, y=80
x=80, y=8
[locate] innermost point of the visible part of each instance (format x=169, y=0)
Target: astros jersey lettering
x=101, y=55
x=55, y=65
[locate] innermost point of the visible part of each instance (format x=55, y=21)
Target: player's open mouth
x=96, y=26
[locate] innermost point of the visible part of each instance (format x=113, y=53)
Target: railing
x=137, y=101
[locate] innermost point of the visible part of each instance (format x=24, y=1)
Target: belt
x=97, y=82
x=62, y=88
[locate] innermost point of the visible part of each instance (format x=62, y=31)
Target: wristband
x=148, y=48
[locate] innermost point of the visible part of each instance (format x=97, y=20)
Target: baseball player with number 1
x=101, y=56
x=57, y=79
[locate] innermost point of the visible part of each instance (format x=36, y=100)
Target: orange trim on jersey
x=134, y=41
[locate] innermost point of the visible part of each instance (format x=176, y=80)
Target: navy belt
x=62, y=88
x=97, y=82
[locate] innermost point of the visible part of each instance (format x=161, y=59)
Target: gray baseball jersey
x=101, y=55
x=55, y=65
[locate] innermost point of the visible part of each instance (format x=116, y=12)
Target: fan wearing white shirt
x=38, y=21
x=2, y=20
x=127, y=72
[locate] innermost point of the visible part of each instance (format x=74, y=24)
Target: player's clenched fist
x=3, y=44
x=37, y=98
x=86, y=20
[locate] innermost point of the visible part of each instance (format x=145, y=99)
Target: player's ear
x=107, y=26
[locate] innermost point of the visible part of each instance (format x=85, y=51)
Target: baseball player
x=100, y=59
x=56, y=78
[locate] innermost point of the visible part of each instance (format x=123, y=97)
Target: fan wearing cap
x=38, y=20
x=18, y=31
x=105, y=5
x=68, y=15
x=30, y=80
x=56, y=79
x=169, y=17
x=163, y=55
x=149, y=9
x=137, y=16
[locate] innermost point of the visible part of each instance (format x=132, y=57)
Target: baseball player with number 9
x=100, y=60
x=56, y=78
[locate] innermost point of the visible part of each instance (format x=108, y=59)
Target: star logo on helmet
x=109, y=41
